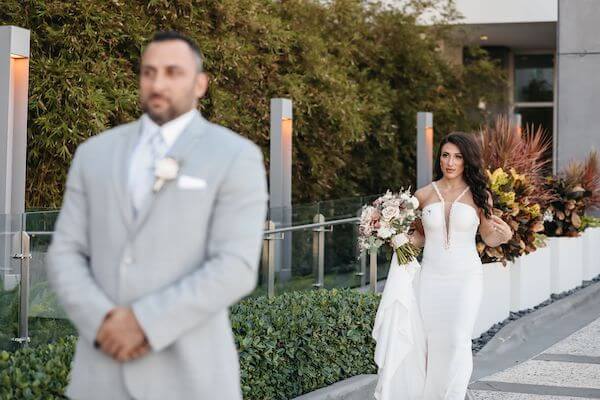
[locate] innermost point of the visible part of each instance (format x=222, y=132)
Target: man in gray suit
x=159, y=233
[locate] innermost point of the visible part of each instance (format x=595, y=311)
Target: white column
x=424, y=148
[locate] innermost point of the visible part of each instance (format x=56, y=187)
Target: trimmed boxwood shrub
x=289, y=345
x=36, y=372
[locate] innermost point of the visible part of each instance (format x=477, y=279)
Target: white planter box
x=567, y=263
x=591, y=253
x=530, y=279
x=495, y=302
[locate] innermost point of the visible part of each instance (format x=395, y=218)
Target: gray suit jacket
x=187, y=256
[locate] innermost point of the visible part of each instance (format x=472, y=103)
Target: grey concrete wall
x=578, y=118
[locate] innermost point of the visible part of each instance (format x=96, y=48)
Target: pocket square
x=190, y=182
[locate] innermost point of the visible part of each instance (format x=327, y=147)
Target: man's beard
x=160, y=118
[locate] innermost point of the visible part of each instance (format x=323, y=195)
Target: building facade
x=550, y=50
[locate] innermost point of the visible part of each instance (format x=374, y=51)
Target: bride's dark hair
x=473, y=173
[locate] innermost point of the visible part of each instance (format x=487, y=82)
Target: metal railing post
x=318, y=251
x=373, y=271
x=363, y=270
x=362, y=259
x=268, y=257
x=24, y=256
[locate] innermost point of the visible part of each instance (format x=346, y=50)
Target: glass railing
x=10, y=280
x=305, y=247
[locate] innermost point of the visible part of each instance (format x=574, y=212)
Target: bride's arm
x=416, y=235
x=494, y=231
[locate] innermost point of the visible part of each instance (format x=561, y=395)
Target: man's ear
x=201, y=84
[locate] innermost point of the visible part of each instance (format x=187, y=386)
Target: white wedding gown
x=426, y=316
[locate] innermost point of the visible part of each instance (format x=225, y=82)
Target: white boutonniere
x=165, y=169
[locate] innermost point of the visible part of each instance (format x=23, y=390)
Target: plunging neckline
x=446, y=220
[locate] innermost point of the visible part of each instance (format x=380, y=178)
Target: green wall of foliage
x=357, y=76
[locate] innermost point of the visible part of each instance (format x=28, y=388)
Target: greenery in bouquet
x=516, y=163
x=577, y=190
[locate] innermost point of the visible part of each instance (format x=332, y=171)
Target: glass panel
x=534, y=77
x=10, y=275
x=342, y=266
x=47, y=319
x=539, y=118
x=342, y=257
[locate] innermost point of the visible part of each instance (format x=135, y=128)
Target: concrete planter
x=591, y=253
x=567, y=263
x=530, y=279
x=495, y=302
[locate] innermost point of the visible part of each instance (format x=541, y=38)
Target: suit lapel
x=179, y=151
x=120, y=164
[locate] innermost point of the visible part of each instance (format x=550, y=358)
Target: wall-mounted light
x=483, y=38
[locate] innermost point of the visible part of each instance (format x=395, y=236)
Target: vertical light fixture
x=14, y=83
x=280, y=181
x=424, y=148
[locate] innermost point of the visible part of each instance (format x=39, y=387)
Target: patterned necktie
x=153, y=149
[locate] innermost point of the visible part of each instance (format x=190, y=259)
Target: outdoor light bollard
x=424, y=148
x=14, y=87
x=280, y=180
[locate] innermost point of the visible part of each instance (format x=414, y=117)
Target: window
x=534, y=77
x=534, y=92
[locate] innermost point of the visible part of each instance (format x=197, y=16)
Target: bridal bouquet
x=387, y=222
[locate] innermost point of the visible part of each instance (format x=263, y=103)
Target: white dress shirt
x=149, y=149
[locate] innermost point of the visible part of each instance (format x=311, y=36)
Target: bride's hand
x=416, y=236
x=497, y=231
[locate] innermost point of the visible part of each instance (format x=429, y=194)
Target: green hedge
x=289, y=345
x=357, y=75
x=36, y=372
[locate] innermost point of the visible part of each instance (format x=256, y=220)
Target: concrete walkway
x=570, y=369
x=550, y=354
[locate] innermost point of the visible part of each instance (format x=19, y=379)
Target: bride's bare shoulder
x=424, y=193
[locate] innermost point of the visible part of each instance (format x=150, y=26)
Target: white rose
x=387, y=196
x=415, y=202
x=385, y=232
x=389, y=213
x=367, y=215
x=166, y=169
x=399, y=240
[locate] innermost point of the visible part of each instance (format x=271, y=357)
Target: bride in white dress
x=425, y=320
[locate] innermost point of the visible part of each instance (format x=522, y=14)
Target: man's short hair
x=164, y=36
